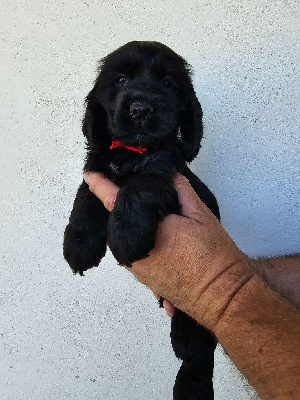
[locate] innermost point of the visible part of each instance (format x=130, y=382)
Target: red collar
x=116, y=143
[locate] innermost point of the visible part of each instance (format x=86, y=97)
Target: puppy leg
x=140, y=205
x=195, y=346
x=85, y=235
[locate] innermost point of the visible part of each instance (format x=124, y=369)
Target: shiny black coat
x=143, y=97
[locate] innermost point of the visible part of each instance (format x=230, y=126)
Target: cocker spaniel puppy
x=143, y=122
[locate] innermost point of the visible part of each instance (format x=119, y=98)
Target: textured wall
x=102, y=336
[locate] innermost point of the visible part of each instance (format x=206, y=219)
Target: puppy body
x=143, y=123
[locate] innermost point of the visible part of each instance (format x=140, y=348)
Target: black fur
x=143, y=97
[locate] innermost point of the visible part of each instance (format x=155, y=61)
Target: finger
x=102, y=187
x=169, y=308
x=191, y=205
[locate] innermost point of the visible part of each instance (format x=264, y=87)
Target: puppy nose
x=140, y=111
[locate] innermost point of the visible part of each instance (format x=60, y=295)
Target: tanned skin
x=221, y=288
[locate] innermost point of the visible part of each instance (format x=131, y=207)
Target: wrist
x=211, y=272
x=212, y=304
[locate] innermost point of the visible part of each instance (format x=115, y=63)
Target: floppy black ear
x=94, y=124
x=191, y=128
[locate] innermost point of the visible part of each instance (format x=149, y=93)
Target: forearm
x=282, y=274
x=259, y=330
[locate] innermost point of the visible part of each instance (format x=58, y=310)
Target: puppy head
x=143, y=96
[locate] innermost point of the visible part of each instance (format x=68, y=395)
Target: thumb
x=191, y=205
x=102, y=187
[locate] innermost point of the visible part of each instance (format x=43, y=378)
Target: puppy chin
x=149, y=140
x=144, y=136
x=136, y=139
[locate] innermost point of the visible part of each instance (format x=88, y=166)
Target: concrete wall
x=102, y=336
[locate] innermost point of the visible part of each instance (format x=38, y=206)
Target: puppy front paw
x=83, y=249
x=138, y=210
x=131, y=239
x=85, y=235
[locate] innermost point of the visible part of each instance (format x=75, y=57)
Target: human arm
x=282, y=274
x=214, y=283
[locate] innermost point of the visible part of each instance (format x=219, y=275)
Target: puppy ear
x=94, y=124
x=191, y=128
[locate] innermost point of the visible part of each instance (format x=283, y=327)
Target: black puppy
x=143, y=122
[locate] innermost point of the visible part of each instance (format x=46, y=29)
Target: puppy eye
x=121, y=80
x=167, y=83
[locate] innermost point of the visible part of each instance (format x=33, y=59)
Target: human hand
x=193, y=254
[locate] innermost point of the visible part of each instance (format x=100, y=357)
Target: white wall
x=102, y=336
